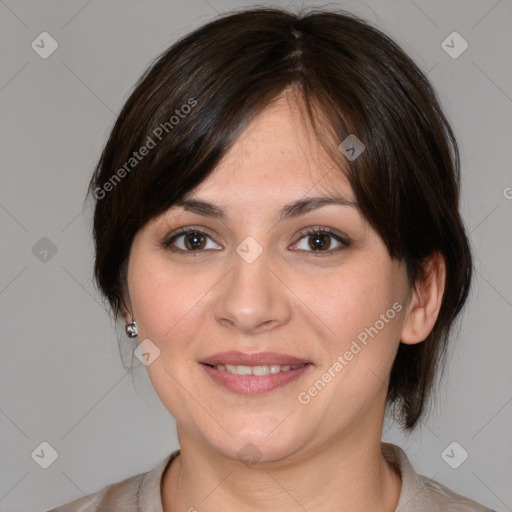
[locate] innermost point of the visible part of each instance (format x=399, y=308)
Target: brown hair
x=193, y=102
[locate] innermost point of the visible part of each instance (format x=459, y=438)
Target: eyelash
x=322, y=230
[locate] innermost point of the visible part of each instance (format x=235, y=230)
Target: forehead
x=277, y=158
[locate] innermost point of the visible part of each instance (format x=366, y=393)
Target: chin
x=251, y=443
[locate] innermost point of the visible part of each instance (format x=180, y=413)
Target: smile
x=255, y=380
x=257, y=370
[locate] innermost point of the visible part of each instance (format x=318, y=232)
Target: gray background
x=62, y=379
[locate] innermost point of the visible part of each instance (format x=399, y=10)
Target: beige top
x=141, y=493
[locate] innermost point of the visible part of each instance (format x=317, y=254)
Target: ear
x=425, y=301
x=127, y=316
x=126, y=307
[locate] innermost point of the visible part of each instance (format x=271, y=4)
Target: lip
x=258, y=358
x=254, y=384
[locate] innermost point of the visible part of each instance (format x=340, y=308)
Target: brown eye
x=190, y=240
x=321, y=240
x=194, y=241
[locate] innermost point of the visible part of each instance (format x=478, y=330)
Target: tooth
x=260, y=370
x=243, y=370
x=257, y=370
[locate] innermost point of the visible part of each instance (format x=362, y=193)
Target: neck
x=347, y=474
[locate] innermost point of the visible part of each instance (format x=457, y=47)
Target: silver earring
x=132, y=329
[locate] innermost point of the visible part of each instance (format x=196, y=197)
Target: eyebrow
x=292, y=210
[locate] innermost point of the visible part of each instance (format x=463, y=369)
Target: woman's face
x=259, y=280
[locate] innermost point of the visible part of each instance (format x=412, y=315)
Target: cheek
x=165, y=301
x=167, y=306
x=349, y=300
x=361, y=320
x=358, y=311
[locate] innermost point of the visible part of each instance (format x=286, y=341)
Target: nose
x=253, y=298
